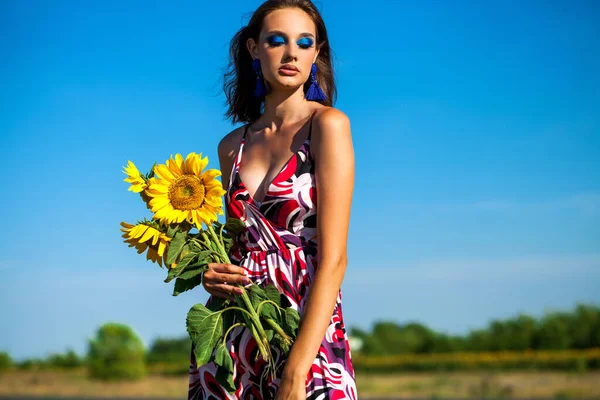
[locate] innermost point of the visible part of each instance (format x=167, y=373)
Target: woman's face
x=288, y=37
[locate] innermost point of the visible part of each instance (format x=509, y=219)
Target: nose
x=291, y=49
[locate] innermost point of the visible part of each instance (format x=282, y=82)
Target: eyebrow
x=303, y=34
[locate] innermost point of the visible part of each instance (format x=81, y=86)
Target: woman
x=294, y=149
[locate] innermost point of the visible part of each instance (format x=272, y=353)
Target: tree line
x=557, y=330
x=117, y=348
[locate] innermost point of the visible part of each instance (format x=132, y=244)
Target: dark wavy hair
x=240, y=78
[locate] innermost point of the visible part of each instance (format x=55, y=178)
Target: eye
x=305, y=43
x=275, y=40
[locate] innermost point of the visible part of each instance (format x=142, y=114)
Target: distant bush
x=5, y=361
x=165, y=350
x=32, y=364
x=116, y=353
x=66, y=361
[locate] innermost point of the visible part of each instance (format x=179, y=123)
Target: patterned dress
x=279, y=246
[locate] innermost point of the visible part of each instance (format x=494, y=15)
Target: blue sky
x=476, y=133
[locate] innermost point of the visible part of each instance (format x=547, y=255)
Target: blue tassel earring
x=260, y=89
x=314, y=91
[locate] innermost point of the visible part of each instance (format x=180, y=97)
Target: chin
x=291, y=82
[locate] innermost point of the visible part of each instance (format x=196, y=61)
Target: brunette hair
x=240, y=78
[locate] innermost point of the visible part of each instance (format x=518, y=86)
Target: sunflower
x=145, y=196
x=184, y=192
x=137, y=180
x=139, y=236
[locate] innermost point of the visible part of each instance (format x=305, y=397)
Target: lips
x=289, y=68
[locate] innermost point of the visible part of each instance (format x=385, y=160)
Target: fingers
x=229, y=289
x=223, y=291
x=221, y=280
x=222, y=273
x=228, y=279
x=227, y=268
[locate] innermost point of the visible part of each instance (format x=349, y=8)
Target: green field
x=558, y=385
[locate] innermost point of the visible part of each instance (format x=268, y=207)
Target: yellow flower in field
x=184, y=192
x=137, y=180
x=144, y=237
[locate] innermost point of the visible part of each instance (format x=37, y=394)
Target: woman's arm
x=334, y=175
x=227, y=151
x=217, y=273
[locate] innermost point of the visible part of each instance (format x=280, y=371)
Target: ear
x=316, y=55
x=252, y=47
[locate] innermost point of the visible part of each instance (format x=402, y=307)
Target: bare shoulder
x=331, y=129
x=331, y=117
x=230, y=143
x=227, y=149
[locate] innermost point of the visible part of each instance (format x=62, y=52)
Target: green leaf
x=256, y=295
x=151, y=173
x=205, y=328
x=228, y=319
x=292, y=321
x=204, y=256
x=185, y=261
x=278, y=340
x=227, y=243
x=176, y=246
x=235, y=225
x=190, y=273
x=225, y=379
x=172, y=229
x=223, y=358
x=218, y=303
x=269, y=333
x=273, y=293
x=268, y=310
x=183, y=285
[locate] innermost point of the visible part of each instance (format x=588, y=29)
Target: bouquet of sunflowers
x=183, y=196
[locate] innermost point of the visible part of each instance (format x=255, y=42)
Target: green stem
x=268, y=301
x=256, y=319
x=206, y=241
x=218, y=242
x=200, y=243
x=236, y=308
x=221, y=233
x=251, y=323
x=229, y=330
x=217, y=256
x=261, y=340
x=280, y=331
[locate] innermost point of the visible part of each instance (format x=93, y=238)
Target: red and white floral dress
x=279, y=245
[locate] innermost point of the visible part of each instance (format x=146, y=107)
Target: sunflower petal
x=172, y=165
x=190, y=160
x=209, y=175
x=150, y=233
x=163, y=172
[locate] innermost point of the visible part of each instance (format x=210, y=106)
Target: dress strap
x=246, y=131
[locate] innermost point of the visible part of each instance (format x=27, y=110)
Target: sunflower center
x=187, y=193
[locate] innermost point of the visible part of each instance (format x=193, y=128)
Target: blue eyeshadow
x=305, y=42
x=276, y=39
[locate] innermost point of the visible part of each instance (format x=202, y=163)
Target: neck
x=284, y=109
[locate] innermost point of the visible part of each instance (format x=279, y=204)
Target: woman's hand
x=292, y=388
x=220, y=280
